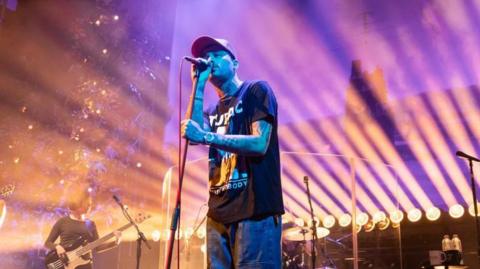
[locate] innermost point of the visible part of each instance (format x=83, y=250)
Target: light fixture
x=299, y=222
x=369, y=226
x=471, y=210
x=379, y=216
x=414, y=215
x=456, y=211
x=178, y=234
x=433, y=214
x=328, y=221
x=344, y=220
x=3, y=212
x=156, y=235
x=317, y=221
x=362, y=218
x=396, y=216
x=201, y=232
x=188, y=233
x=383, y=225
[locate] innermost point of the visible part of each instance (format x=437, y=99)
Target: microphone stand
x=475, y=208
x=474, y=195
x=314, y=228
x=141, y=237
x=176, y=211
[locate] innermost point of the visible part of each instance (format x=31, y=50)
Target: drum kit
x=297, y=246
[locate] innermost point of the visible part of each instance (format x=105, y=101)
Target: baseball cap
x=203, y=44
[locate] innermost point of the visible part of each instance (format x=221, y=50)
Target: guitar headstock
x=141, y=217
x=7, y=190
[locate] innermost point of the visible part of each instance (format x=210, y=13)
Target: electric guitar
x=5, y=191
x=79, y=255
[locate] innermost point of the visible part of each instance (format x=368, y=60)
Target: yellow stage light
x=379, y=216
x=328, y=221
x=383, y=225
x=201, y=232
x=362, y=218
x=396, y=216
x=345, y=220
x=414, y=215
x=456, y=211
x=156, y=235
x=369, y=226
x=471, y=210
x=299, y=222
x=433, y=213
x=317, y=222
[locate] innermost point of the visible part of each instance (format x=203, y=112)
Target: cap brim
x=206, y=43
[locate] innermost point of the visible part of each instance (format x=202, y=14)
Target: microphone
x=199, y=63
x=464, y=155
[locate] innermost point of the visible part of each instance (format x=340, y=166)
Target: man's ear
x=236, y=64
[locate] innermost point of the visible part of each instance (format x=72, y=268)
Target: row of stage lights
x=378, y=219
x=395, y=217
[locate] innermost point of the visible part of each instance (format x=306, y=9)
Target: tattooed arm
x=255, y=144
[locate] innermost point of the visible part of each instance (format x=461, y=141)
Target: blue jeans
x=245, y=244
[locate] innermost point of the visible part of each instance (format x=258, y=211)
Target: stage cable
x=179, y=155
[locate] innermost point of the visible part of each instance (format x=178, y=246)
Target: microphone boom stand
x=141, y=237
x=314, y=226
x=474, y=196
x=475, y=208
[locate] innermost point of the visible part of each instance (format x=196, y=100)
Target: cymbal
x=303, y=233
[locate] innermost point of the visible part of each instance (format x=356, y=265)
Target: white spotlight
x=456, y=211
x=178, y=234
x=201, y=232
x=396, y=216
x=328, y=221
x=433, y=214
x=362, y=218
x=188, y=233
x=471, y=210
x=299, y=222
x=3, y=212
x=317, y=221
x=414, y=215
x=345, y=220
x=156, y=235
x=383, y=225
x=379, y=216
x=369, y=226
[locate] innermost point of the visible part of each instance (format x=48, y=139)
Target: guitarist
x=76, y=229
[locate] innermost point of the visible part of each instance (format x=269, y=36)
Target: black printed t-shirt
x=243, y=187
x=72, y=233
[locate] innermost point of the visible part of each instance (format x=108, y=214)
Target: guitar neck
x=102, y=240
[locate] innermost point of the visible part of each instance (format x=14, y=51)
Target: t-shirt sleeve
x=54, y=233
x=206, y=120
x=264, y=102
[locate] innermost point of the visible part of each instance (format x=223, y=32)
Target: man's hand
x=60, y=250
x=201, y=75
x=192, y=131
x=118, y=237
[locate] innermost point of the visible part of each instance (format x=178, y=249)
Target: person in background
x=77, y=229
